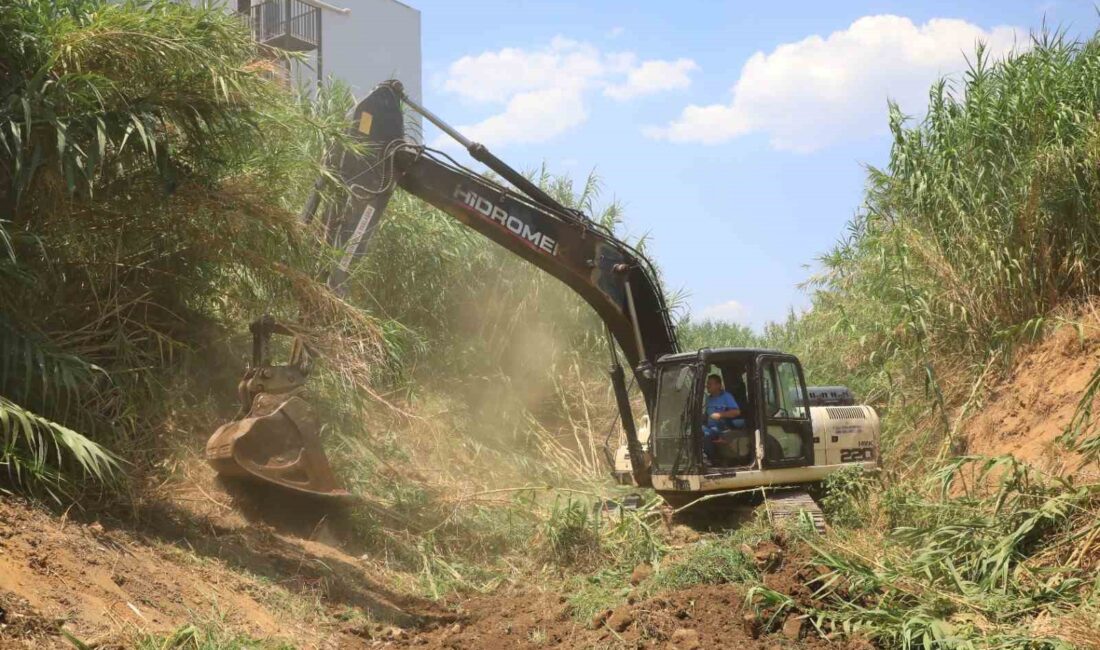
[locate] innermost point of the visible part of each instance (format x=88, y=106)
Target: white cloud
x=534, y=116
x=731, y=311
x=539, y=94
x=496, y=77
x=653, y=77
x=817, y=91
x=616, y=31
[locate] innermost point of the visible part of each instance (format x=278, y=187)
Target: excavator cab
x=275, y=435
x=771, y=393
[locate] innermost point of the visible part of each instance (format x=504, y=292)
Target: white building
x=361, y=42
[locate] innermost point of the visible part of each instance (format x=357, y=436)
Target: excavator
x=792, y=437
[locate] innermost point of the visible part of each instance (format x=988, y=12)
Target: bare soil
x=1025, y=412
x=167, y=565
x=702, y=616
x=527, y=618
x=171, y=564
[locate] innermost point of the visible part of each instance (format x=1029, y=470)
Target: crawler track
x=787, y=504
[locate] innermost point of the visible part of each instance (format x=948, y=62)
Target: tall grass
x=982, y=224
x=710, y=333
x=146, y=160
x=984, y=553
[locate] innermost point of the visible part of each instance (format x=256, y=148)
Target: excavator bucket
x=275, y=438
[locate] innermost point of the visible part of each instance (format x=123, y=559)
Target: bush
x=847, y=497
x=145, y=160
x=978, y=566
x=708, y=563
x=571, y=534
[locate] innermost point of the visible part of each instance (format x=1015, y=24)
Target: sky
x=735, y=134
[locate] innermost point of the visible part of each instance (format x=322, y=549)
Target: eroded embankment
x=1025, y=413
x=109, y=581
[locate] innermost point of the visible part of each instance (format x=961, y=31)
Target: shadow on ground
x=267, y=547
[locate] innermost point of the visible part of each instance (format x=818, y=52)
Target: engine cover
x=845, y=434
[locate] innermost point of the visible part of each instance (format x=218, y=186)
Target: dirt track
x=193, y=552
x=702, y=616
x=105, y=581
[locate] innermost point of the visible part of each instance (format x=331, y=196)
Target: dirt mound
x=1024, y=414
x=701, y=616
x=104, y=581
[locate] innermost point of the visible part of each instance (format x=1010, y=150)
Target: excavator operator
x=722, y=414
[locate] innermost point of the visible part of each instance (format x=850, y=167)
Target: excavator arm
x=275, y=439
x=610, y=275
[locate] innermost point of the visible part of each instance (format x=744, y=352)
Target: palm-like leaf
x=32, y=370
x=35, y=449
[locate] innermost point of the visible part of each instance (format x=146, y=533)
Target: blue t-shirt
x=717, y=403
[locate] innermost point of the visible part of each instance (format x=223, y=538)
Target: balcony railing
x=290, y=25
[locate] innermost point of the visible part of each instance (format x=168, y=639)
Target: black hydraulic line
x=481, y=153
x=312, y=202
x=615, y=366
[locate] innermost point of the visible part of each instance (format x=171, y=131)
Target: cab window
x=673, y=430
x=786, y=415
x=790, y=390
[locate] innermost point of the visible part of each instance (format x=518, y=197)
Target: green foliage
x=146, y=156
x=710, y=562
x=98, y=90
x=847, y=499
x=36, y=449
x=571, y=534
x=634, y=537
x=206, y=637
x=977, y=567
x=982, y=222
x=33, y=371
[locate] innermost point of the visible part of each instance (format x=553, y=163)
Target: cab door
x=676, y=439
x=786, y=431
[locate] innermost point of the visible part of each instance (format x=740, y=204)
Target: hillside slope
x=190, y=559
x=243, y=567
x=1025, y=413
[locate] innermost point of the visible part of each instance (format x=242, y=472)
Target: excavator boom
x=613, y=277
x=780, y=444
